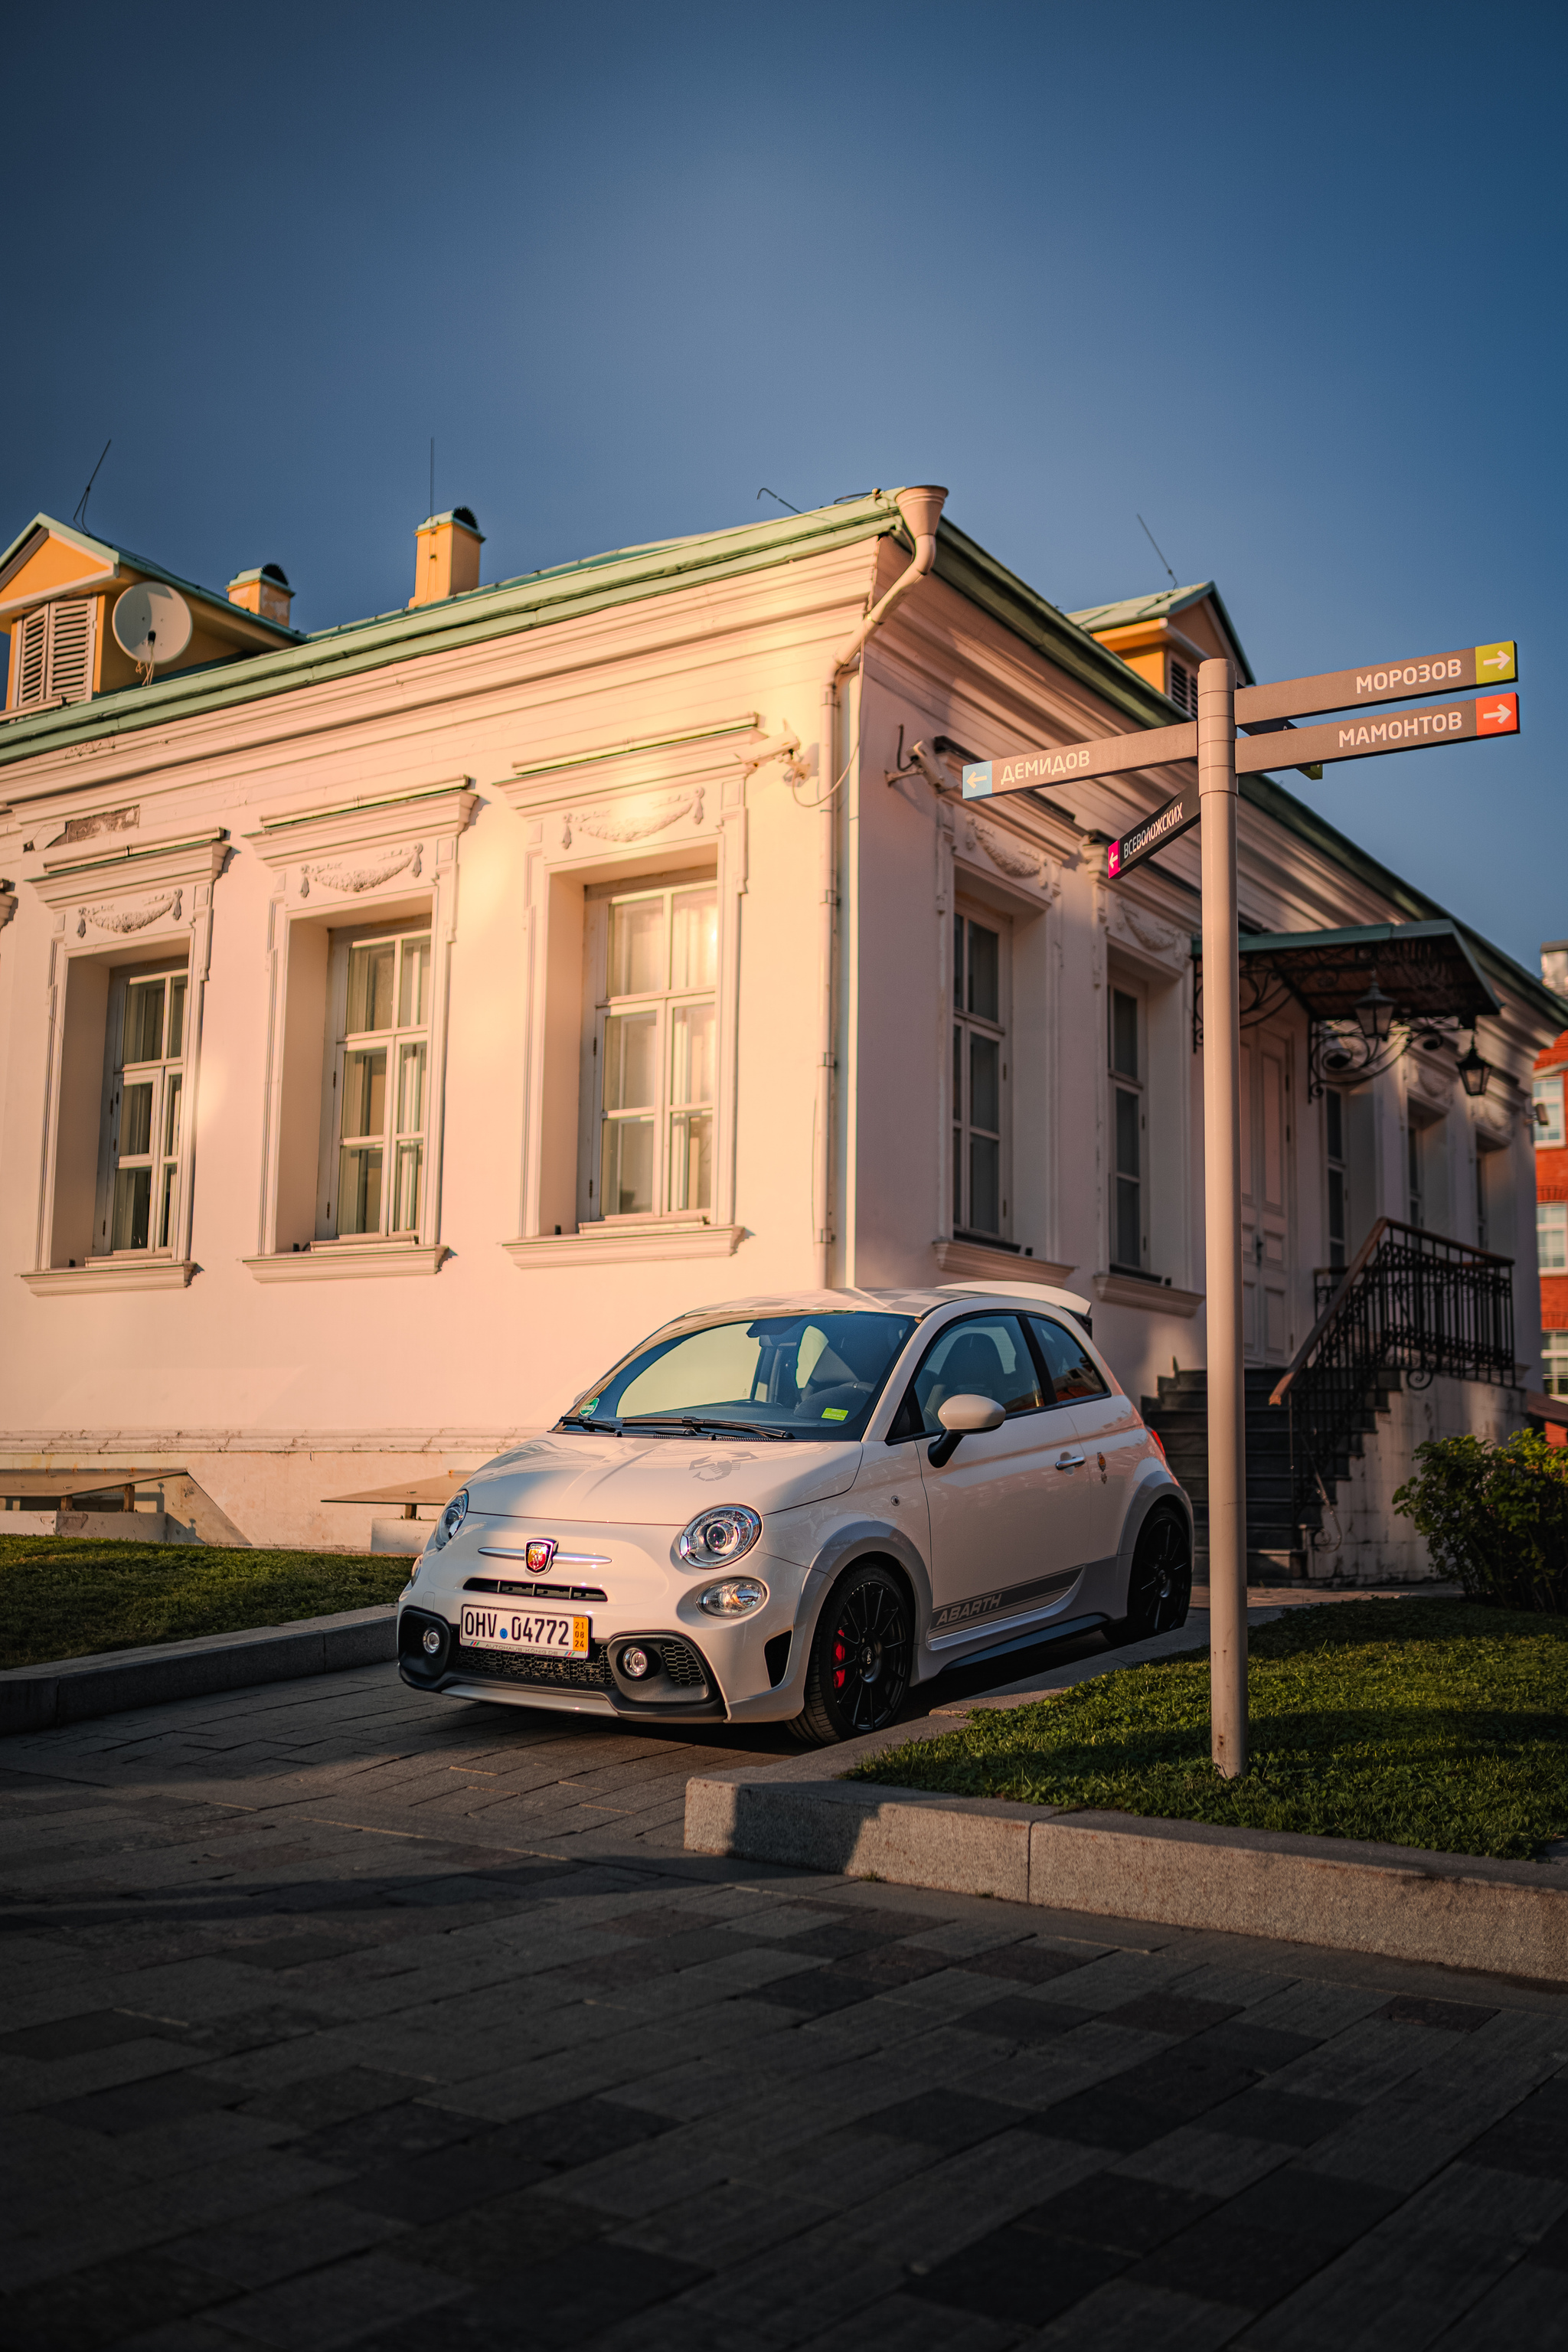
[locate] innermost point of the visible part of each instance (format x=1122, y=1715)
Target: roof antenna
x=765, y=493
x=81, y=514
x=431, y=507
x=1158, y=550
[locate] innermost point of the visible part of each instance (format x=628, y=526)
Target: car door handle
x=1070, y=1461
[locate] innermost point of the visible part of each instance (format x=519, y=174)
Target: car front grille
x=534, y=1591
x=592, y=1673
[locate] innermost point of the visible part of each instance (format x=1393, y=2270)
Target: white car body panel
x=1000, y=1540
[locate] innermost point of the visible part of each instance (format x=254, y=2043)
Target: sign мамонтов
x=1404, y=730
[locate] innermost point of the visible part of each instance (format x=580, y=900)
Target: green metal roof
x=1164, y=606
x=115, y=556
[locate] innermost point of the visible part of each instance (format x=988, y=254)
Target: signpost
x=1211, y=741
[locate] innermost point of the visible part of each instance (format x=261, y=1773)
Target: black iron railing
x=1410, y=1302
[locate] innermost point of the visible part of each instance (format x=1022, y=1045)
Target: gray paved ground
x=337, y=2015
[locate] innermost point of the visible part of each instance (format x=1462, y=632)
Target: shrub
x=1495, y=1516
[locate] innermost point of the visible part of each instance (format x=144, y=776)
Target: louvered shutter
x=70, y=652
x=32, y=662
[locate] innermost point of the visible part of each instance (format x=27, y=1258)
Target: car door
x=1107, y=1427
x=1011, y=1521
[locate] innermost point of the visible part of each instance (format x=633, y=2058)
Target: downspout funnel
x=921, y=509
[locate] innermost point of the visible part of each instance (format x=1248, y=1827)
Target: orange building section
x=1552, y=1189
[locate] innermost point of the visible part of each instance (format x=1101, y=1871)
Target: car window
x=822, y=1369
x=1073, y=1370
x=987, y=1356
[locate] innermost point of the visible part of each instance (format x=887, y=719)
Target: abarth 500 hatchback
x=791, y=1509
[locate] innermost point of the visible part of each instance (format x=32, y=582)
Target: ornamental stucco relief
x=108, y=915
x=357, y=879
x=635, y=820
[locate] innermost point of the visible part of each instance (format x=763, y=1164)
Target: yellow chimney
x=446, y=556
x=264, y=591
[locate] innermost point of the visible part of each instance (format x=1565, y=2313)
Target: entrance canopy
x=1426, y=967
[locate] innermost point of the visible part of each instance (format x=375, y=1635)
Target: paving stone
x=100, y=2303
x=340, y=2303
x=1128, y=2317
x=282, y=2241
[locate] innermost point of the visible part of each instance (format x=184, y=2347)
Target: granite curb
x=75, y=1690
x=1403, y=1903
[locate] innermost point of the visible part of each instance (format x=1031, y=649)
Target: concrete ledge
x=74, y=1690
x=1453, y=1910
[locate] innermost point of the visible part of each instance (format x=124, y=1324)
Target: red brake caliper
x=838, y=1655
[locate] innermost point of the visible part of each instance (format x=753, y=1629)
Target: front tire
x=1160, y=1586
x=858, y=1670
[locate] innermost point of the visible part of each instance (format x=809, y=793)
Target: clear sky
x=1286, y=282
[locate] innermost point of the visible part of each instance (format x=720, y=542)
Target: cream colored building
x=398, y=1022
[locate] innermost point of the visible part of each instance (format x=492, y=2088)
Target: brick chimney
x=265, y=591
x=446, y=556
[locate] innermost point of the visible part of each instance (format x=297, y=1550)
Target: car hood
x=657, y=1481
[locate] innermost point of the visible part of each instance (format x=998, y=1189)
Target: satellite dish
x=152, y=623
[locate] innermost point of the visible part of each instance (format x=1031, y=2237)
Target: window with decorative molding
x=654, y=958
x=376, y=1142
x=52, y=653
x=1129, y=1134
x=981, y=1056
x=138, y=1175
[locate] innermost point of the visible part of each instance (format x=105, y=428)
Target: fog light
x=736, y=1597
x=432, y=1641
x=635, y=1663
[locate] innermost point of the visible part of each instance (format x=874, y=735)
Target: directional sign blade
x=1342, y=690
x=1406, y=731
x=1113, y=755
x=1154, y=833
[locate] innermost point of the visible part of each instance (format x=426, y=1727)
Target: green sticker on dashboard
x=588, y=1405
x=835, y=1413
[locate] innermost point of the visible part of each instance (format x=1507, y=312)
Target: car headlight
x=718, y=1536
x=450, y=1520
x=736, y=1597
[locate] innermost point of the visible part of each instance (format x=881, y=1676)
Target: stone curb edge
x=1450, y=1910
x=75, y=1690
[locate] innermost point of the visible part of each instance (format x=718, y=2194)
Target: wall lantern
x=1475, y=1074
x=1376, y=1014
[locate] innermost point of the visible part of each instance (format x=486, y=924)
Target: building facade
x=397, y=1022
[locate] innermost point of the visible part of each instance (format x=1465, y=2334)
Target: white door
x=1267, y=1123
x=1011, y=1519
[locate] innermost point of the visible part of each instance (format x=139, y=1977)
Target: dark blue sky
x=1289, y=283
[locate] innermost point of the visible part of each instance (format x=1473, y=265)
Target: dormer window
x=53, y=655
x=1184, y=688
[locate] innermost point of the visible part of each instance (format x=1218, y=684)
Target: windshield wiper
x=697, y=1420
x=586, y=1420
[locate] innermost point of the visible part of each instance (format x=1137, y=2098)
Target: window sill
x=1144, y=1290
x=977, y=1262
x=111, y=1274
x=346, y=1261
x=617, y=1244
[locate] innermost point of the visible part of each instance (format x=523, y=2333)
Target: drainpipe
x=920, y=508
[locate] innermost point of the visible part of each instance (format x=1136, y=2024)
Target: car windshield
x=816, y=1373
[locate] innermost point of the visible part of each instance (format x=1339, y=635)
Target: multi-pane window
x=1128, y=1129
x=376, y=1182
x=655, y=1050
x=139, y=1198
x=979, y=1080
x=1338, y=1174
x=1551, y=1235
x=1549, y=1135
x=1554, y=1355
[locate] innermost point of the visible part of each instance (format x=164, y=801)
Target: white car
x=788, y=1510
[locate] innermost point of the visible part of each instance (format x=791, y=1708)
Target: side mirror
x=962, y=1417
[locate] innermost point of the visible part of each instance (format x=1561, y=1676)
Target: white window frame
x=165, y=1073
x=664, y=1004
x=1552, y=1237
x=964, y=1026
x=1121, y=1082
x=339, y=1044
x=1554, y=1362
x=1548, y=1091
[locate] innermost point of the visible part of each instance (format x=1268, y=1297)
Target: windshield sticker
x=588, y=1405
x=835, y=1413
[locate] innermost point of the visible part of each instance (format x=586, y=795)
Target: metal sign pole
x=1221, y=1220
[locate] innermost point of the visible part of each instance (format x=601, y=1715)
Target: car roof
x=916, y=1303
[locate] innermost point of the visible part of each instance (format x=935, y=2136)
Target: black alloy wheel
x=860, y=1667
x=1160, y=1587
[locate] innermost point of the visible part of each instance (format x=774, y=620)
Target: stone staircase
x=1273, y=1535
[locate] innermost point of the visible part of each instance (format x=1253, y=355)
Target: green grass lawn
x=65, y=1598
x=1420, y=1723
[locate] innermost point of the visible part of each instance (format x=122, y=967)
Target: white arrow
x=1500, y=659
x=1500, y=713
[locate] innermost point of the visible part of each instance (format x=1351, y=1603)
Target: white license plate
x=521, y=1628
